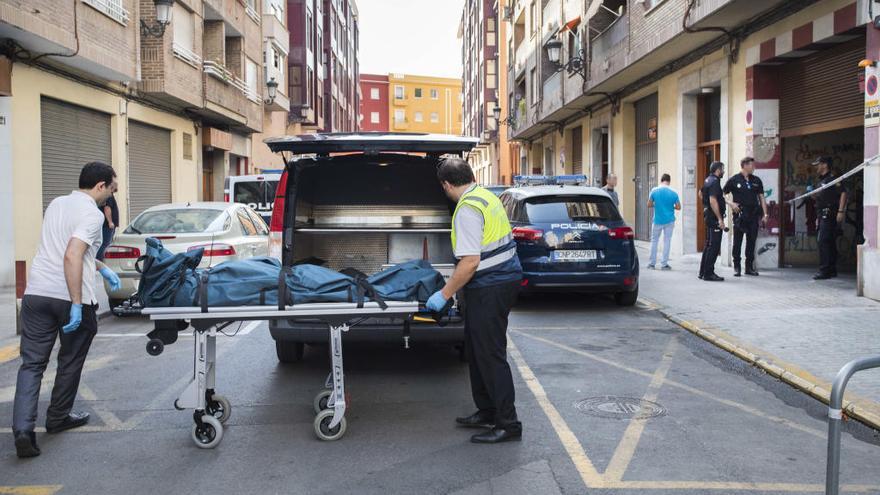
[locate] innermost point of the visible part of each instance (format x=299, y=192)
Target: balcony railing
x=186, y=54
x=220, y=72
x=112, y=8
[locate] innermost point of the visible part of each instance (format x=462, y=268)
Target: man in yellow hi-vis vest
x=489, y=271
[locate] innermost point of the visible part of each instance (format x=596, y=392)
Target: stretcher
x=211, y=410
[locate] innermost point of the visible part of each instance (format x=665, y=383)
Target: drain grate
x=610, y=406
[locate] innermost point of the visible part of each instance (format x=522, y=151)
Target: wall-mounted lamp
x=272, y=90
x=163, y=19
x=575, y=65
x=496, y=112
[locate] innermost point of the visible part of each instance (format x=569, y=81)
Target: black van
x=365, y=201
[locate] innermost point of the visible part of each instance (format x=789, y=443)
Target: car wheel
x=627, y=298
x=116, y=302
x=289, y=352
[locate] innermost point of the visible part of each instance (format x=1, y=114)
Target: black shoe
x=73, y=420
x=478, y=419
x=737, y=270
x=700, y=276
x=498, y=435
x=713, y=278
x=26, y=444
x=822, y=276
x=752, y=272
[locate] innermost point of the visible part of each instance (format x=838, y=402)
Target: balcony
x=400, y=102
x=229, y=99
x=275, y=33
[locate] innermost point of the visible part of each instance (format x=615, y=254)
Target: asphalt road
x=581, y=365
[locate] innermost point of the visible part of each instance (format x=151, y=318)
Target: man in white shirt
x=61, y=299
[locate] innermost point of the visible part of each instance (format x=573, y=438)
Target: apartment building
x=425, y=104
x=374, y=103
x=484, y=56
x=645, y=87
x=323, y=66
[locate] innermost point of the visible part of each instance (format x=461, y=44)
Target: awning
x=571, y=25
x=600, y=4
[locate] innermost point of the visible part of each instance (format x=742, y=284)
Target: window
x=533, y=19
x=435, y=117
x=250, y=79
x=399, y=115
x=259, y=223
x=111, y=8
x=247, y=225
x=374, y=117
x=418, y=117
x=417, y=92
x=435, y=94
x=183, y=43
x=309, y=30
x=374, y=93
x=275, y=8
x=550, y=209
x=398, y=93
x=533, y=90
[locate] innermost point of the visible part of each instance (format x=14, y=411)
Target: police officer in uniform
x=749, y=208
x=713, y=213
x=489, y=272
x=831, y=203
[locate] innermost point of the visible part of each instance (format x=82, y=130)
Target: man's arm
x=678, y=205
x=716, y=209
x=464, y=272
x=73, y=268
x=763, y=201
x=108, y=214
x=841, y=208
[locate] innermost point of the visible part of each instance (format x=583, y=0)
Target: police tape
x=871, y=161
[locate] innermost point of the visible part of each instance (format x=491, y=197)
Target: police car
x=571, y=237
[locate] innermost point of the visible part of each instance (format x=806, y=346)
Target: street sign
x=872, y=99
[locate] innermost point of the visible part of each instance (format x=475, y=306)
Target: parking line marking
x=573, y=447
x=30, y=490
x=8, y=353
x=626, y=449
x=688, y=388
x=7, y=394
x=727, y=486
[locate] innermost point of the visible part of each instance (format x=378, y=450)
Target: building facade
x=323, y=66
x=374, y=105
x=484, y=55
x=425, y=104
x=668, y=86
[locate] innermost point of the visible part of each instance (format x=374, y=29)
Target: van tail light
x=225, y=197
x=630, y=281
x=215, y=249
x=621, y=233
x=527, y=234
x=122, y=253
x=276, y=225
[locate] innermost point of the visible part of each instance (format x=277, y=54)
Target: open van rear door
x=371, y=142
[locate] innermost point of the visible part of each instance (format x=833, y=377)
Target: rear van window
x=554, y=209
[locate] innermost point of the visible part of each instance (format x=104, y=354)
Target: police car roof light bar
x=571, y=180
x=531, y=180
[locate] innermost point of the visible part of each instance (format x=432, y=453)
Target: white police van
x=256, y=191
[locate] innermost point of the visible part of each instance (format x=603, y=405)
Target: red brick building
x=374, y=103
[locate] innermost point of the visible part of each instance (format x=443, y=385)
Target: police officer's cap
x=823, y=159
x=716, y=166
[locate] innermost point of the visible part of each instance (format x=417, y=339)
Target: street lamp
x=163, y=19
x=272, y=90
x=496, y=112
x=575, y=64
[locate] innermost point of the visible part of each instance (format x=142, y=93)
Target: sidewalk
x=798, y=329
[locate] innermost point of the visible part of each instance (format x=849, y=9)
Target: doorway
x=646, y=155
x=708, y=151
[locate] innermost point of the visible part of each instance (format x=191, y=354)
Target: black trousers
x=748, y=227
x=42, y=319
x=485, y=315
x=827, y=240
x=712, y=248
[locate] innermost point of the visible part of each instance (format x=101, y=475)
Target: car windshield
x=182, y=221
x=553, y=209
x=259, y=195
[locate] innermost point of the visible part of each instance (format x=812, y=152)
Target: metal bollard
x=835, y=415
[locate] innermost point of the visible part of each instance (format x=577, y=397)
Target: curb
x=859, y=408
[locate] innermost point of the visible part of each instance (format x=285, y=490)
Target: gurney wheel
x=322, y=426
x=155, y=347
x=208, y=434
x=321, y=400
x=219, y=407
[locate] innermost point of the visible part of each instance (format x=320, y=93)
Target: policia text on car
x=489, y=272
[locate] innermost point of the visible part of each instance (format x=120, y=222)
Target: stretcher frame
x=199, y=394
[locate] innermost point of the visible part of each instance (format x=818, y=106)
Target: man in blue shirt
x=665, y=201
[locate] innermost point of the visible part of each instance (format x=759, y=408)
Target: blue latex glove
x=111, y=277
x=436, y=302
x=76, y=317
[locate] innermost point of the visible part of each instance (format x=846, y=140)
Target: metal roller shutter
x=71, y=136
x=822, y=89
x=149, y=167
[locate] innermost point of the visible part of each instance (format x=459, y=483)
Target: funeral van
x=364, y=201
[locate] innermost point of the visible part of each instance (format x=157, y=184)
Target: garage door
x=71, y=136
x=149, y=167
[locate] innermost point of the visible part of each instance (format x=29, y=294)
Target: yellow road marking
x=582, y=463
x=30, y=490
x=624, y=452
x=726, y=486
x=8, y=353
x=688, y=388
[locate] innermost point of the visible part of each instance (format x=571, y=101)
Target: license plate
x=575, y=255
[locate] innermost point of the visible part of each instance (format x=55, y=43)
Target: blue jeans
x=107, y=239
x=665, y=229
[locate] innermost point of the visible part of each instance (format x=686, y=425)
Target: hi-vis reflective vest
x=497, y=247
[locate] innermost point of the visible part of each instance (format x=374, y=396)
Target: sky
x=410, y=37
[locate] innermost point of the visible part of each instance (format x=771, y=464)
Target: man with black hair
x=489, y=272
x=713, y=213
x=61, y=301
x=749, y=208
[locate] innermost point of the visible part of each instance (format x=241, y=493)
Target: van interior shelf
x=353, y=229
